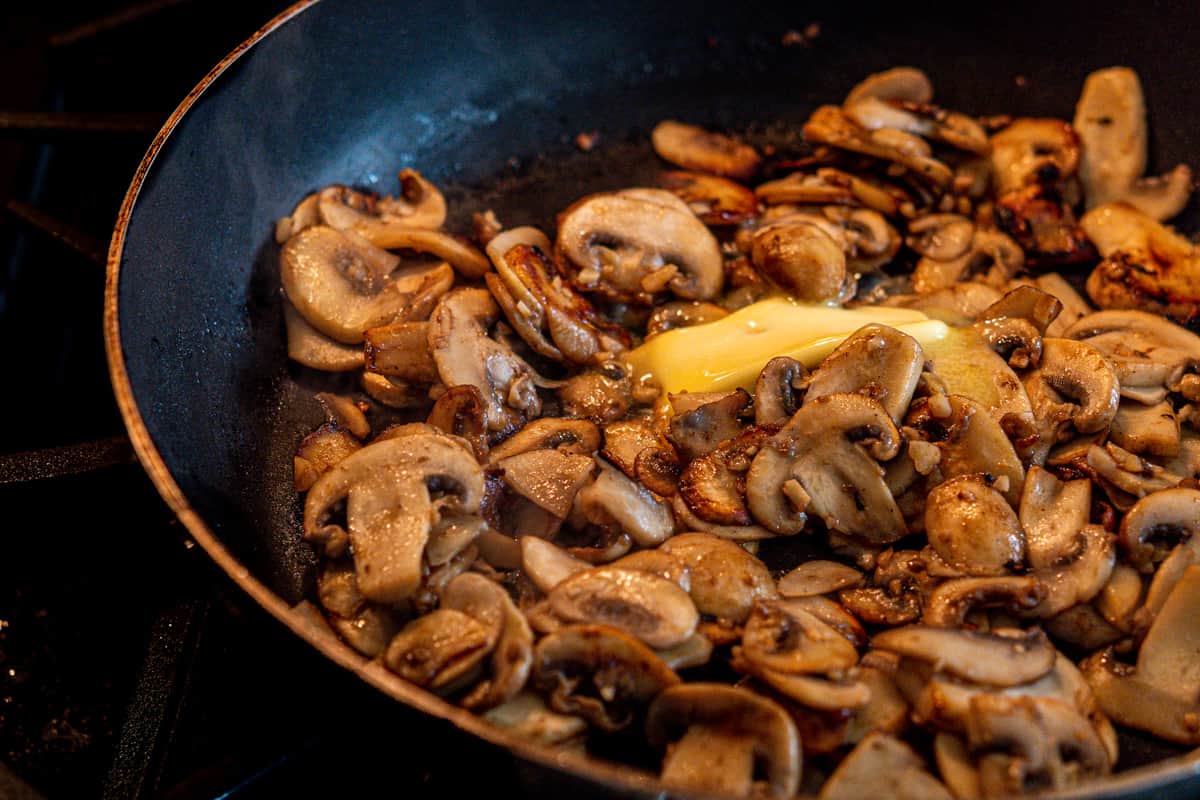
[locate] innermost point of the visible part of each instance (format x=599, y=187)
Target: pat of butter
x=728, y=353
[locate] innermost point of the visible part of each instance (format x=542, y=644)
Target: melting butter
x=730, y=352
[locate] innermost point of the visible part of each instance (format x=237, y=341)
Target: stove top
x=130, y=667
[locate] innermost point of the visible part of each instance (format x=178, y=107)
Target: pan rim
x=1159, y=775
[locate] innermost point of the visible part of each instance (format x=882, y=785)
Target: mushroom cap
x=705, y=151
x=512, y=656
x=806, y=261
x=725, y=579
x=1079, y=372
x=989, y=658
x=972, y=527
x=782, y=637
x=732, y=717
x=877, y=361
x=641, y=603
x=1052, y=512
x=1172, y=513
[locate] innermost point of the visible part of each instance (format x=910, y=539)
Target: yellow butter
x=728, y=353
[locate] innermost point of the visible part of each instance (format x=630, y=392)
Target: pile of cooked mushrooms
x=929, y=575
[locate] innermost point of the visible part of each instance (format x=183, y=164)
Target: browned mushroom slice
x=1161, y=694
x=572, y=436
x=716, y=201
x=630, y=245
x=832, y=614
x=826, y=461
x=461, y=411
x=778, y=390
x=818, y=577
x=694, y=148
x=310, y=347
x=1033, y=151
x=877, y=361
x=1043, y=224
x=343, y=285
x=682, y=314
x=992, y=256
x=440, y=651
x=393, y=393
x=920, y=119
x=1111, y=120
x=882, y=766
x=783, y=637
x=546, y=564
x=941, y=237
x=1146, y=264
x=600, y=673
x=828, y=186
x=998, y=660
x=1079, y=573
x=615, y=500
x=801, y=258
x=512, y=656
x=971, y=441
x=401, y=350
x=703, y=420
x=1151, y=430
x=1126, y=476
x=527, y=716
x=713, y=485
x=466, y=355
x=319, y=451
x=725, y=579
x=1153, y=327
x=1083, y=627
x=366, y=628
x=600, y=395
x=897, y=83
x=640, y=603
x=1032, y=743
x=949, y=604
x=972, y=527
x=625, y=440
x=887, y=709
x=1156, y=523
x=1073, y=385
x=723, y=740
x=389, y=512
x=829, y=125
x=659, y=563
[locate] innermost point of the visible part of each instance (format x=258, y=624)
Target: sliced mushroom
x=615, y=500
x=897, y=83
x=882, y=766
x=389, y=512
x=782, y=637
x=366, y=628
x=725, y=579
x=1123, y=472
x=1156, y=523
x=713, y=485
x=629, y=247
x=778, y=391
x=829, y=125
x=1083, y=627
x=1146, y=264
x=527, y=716
x=949, y=604
x=1111, y=120
x=393, y=393
x=547, y=565
x=601, y=395
x=549, y=478
x=1032, y=743
x=716, y=201
x=695, y=148
x=1043, y=224
x=941, y=237
x=876, y=361
x=701, y=422
x=624, y=441
x=466, y=355
x=956, y=767
x=599, y=673
x=1074, y=385
x=682, y=314
x=826, y=460
x=1052, y=512
x=998, y=660
x=401, y=350
x=920, y=119
x=640, y=603
x=319, y=451
x=1149, y=430
x=571, y=436
x=310, y=347
x=1074, y=306
x=832, y=614
x=992, y=255
x=957, y=304
x=1161, y=694
x=818, y=577
x=512, y=656
x=1161, y=331
x=1033, y=151
x=829, y=186
x=1078, y=574
x=440, y=651
x=720, y=739
x=971, y=441
x=803, y=259
x=344, y=285
x=972, y=527
x=887, y=709
x=659, y=563
x=815, y=692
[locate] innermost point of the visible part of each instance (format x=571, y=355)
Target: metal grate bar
x=72, y=459
x=84, y=244
x=53, y=123
x=108, y=22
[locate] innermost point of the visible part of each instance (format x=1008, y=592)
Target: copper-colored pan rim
x=616, y=776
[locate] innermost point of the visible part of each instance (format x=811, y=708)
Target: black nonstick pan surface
x=486, y=99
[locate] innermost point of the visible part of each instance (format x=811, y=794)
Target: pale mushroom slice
x=991, y=257
x=1078, y=573
x=1031, y=743
x=818, y=577
x=549, y=478
x=600, y=673
x=1052, y=512
x=440, y=651
x=1156, y=523
x=920, y=118
x=419, y=205
x=1161, y=694
x=782, y=637
x=1033, y=151
x=725, y=579
x=1110, y=118
x=1013, y=658
x=631, y=245
x=571, y=436
x=527, y=716
x=694, y=148
x=726, y=741
x=308, y=346
x=830, y=186
x=512, y=655
x=342, y=284
x=466, y=355
x=1147, y=265
x=948, y=605
x=387, y=489
x=615, y=500
x=825, y=461
x=546, y=564
x=972, y=527
x=829, y=125
x=1150, y=430
x=882, y=766
x=877, y=361
x=1074, y=385
x=897, y=83
x=648, y=606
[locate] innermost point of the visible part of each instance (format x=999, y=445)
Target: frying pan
x=485, y=99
